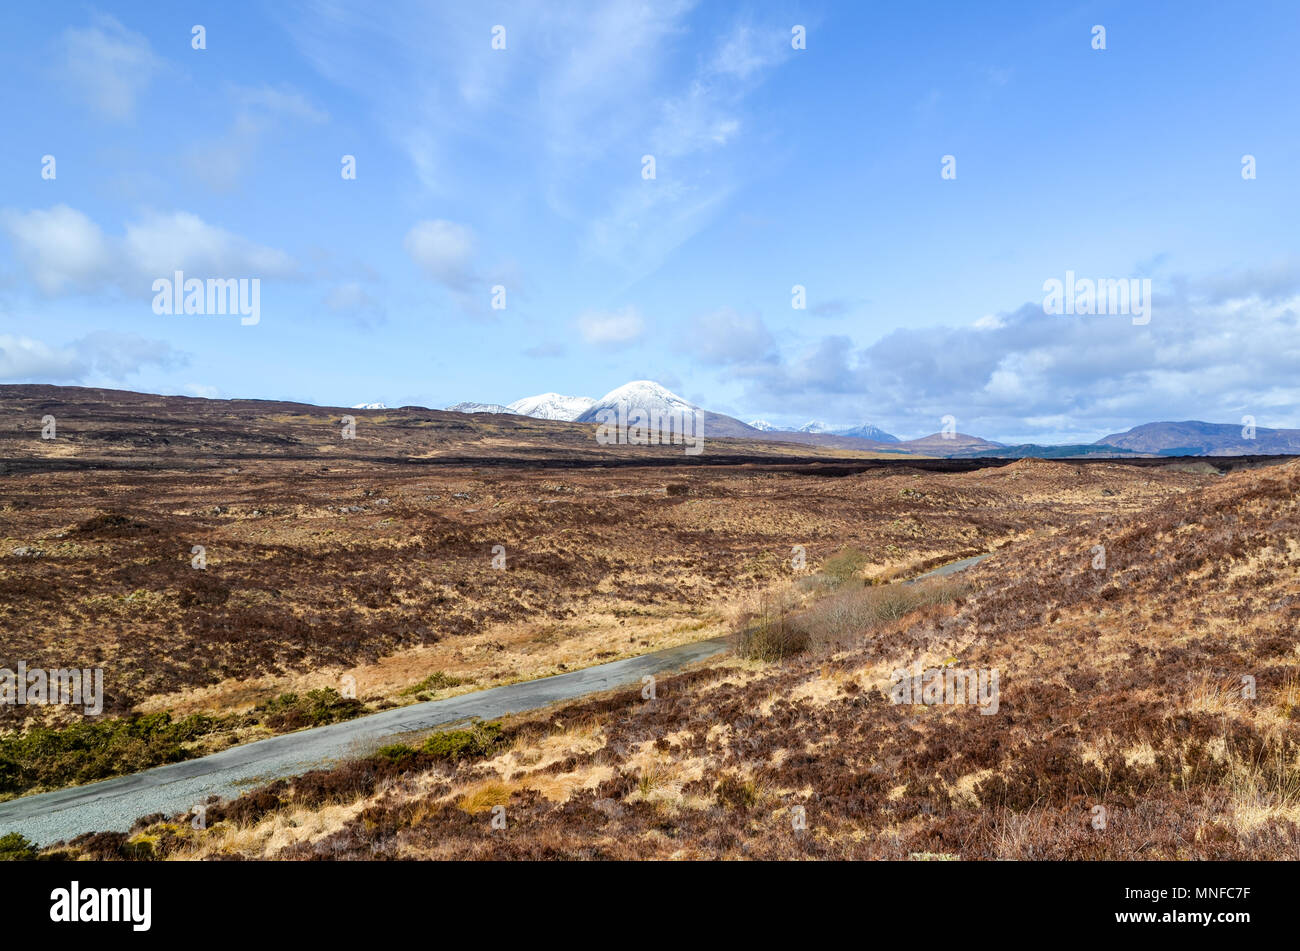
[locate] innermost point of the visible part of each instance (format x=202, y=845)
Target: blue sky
x=522, y=168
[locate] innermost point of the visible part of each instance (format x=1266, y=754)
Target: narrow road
x=950, y=569
x=113, y=804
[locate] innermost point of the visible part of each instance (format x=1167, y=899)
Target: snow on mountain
x=762, y=425
x=481, y=408
x=813, y=426
x=868, y=431
x=552, y=406
x=644, y=395
x=369, y=406
x=816, y=427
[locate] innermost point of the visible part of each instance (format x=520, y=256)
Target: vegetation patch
x=291, y=711
x=432, y=684
x=15, y=847
x=51, y=757
x=482, y=739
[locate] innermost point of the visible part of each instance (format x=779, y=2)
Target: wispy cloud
x=611, y=329
x=444, y=251
x=726, y=337
x=260, y=111
x=106, y=66
x=111, y=356
x=583, y=91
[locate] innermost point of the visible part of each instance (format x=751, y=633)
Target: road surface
x=113, y=804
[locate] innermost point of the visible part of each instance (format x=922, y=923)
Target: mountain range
x=1189, y=438
x=649, y=397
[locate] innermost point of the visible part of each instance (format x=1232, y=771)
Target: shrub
x=49, y=757
x=289, y=711
x=482, y=739
x=735, y=793
x=395, y=752
x=15, y=847
x=844, y=567
x=770, y=635
x=834, y=620
x=434, y=682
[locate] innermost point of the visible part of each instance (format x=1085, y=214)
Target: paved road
x=950, y=569
x=113, y=804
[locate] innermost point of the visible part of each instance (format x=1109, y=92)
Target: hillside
x=1195, y=438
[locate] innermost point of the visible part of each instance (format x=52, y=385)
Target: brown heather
x=1120, y=688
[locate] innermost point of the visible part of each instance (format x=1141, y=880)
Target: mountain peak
x=552, y=406
x=645, y=393
x=472, y=407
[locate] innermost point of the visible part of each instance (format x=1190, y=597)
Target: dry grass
x=783, y=627
x=1120, y=689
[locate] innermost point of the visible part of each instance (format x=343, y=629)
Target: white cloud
x=277, y=102
x=444, y=251
x=107, y=66
x=611, y=328
x=1216, y=350
x=160, y=244
x=583, y=92
x=61, y=248
x=748, y=50
x=111, y=356
x=65, y=252
x=22, y=358
x=118, y=355
x=354, y=301
x=726, y=336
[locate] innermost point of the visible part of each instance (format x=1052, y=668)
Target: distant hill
x=868, y=431
x=1069, y=451
x=1196, y=438
x=956, y=444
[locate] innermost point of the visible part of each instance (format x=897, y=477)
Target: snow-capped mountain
x=643, y=395
x=868, y=431
x=816, y=427
x=552, y=406
x=481, y=408
x=651, y=399
x=369, y=406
